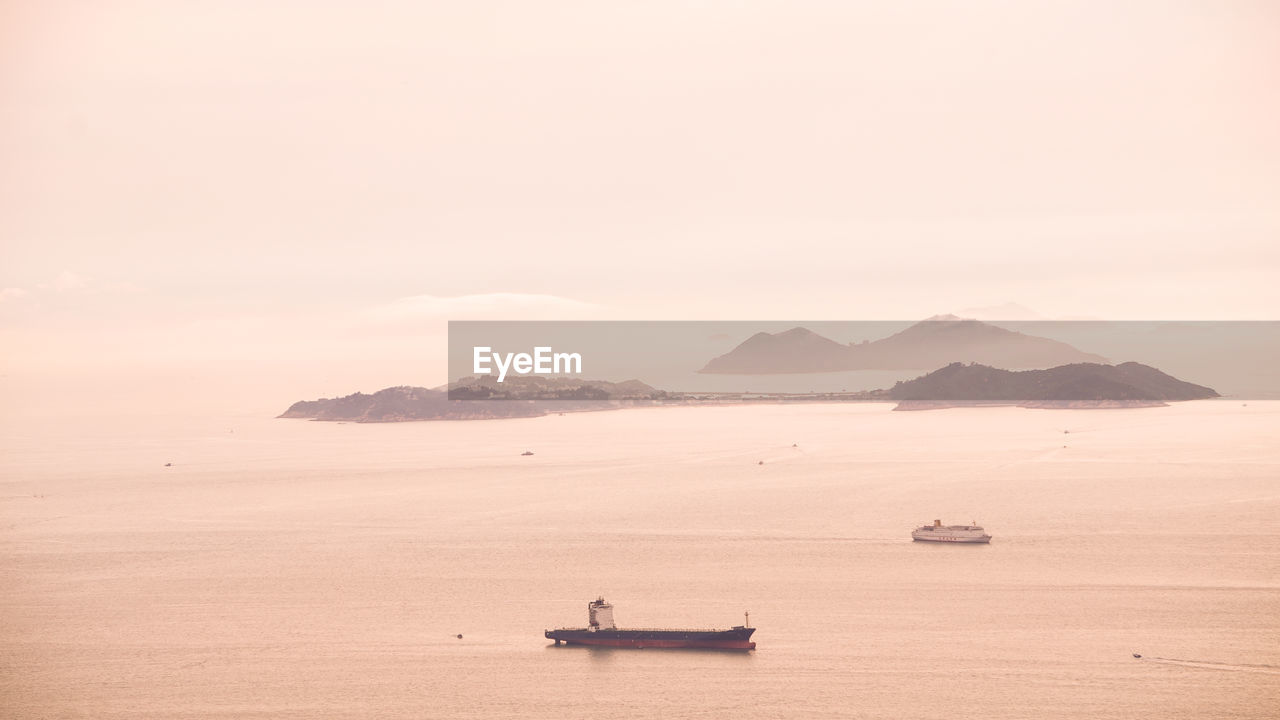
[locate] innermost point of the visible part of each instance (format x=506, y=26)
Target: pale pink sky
x=286, y=199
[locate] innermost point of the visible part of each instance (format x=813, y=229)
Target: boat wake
x=1210, y=665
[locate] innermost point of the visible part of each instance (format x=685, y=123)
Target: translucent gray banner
x=940, y=360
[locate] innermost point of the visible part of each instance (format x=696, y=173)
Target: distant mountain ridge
x=798, y=350
x=931, y=343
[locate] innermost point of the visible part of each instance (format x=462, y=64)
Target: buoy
x=761, y=462
x=459, y=636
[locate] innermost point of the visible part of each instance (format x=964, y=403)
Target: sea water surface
x=284, y=568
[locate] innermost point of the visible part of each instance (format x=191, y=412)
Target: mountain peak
x=930, y=343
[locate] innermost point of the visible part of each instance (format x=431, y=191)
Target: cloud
x=487, y=306
x=1006, y=311
x=68, y=281
x=12, y=293
x=120, y=288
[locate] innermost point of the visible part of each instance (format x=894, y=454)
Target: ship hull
x=735, y=639
x=934, y=537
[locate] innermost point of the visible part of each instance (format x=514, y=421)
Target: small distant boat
x=526, y=452
x=168, y=464
x=937, y=532
x=1137, y=655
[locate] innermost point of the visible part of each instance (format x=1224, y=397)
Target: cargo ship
x=937, y=532
x=601, y=630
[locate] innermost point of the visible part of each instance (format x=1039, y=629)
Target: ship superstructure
x=937, y=532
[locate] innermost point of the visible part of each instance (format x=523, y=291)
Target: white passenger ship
x=937, y=532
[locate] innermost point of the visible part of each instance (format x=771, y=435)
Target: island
x=1078, y=385
x=478, y=398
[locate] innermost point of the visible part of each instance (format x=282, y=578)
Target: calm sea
x=320, y=570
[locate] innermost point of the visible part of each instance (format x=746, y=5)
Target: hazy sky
x=276, y=200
